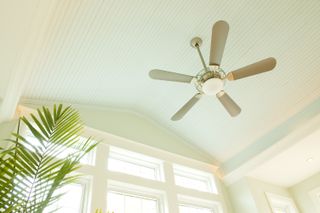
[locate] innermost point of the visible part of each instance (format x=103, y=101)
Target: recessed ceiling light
x=310, y=160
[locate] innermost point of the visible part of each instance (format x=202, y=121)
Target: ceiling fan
x=211, y=80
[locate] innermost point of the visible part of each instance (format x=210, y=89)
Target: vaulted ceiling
x=99, y=53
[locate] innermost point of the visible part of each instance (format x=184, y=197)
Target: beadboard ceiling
x=99, y=53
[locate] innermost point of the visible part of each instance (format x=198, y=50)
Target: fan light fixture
x=212, y=86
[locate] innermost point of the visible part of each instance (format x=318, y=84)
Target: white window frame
x=139, y=160
x=92, y=153
x=201, y=203
x=281, y=202
x=85, y=184
x=85, y=181
x=100, y=179
x=25, y=132
x=138, y=191
x=167, y=186
x=196, y=175
x=315, y=197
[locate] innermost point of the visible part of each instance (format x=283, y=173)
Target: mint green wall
x=241, y=197
x=259, y=188
x=5, y=131
x=138, y=128
x=248, y=195
x=301, y=191
x=225, y=194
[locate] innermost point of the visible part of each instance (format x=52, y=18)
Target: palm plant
x=30, y=170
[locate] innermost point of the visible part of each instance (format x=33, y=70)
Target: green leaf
x=30, y=173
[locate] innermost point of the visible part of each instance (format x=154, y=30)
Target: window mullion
x=170, y=187
x=99, y=183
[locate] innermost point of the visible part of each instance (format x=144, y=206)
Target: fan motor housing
x=210, y=82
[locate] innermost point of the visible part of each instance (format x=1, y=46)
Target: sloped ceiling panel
x=100, y=52
x=15, y=19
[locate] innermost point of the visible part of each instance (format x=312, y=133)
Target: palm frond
x=30, y=170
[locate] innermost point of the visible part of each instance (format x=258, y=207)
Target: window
x=87, y=159
x=281, y=204
x=72, y=200
x=315, y=197
x=128, y=203
x=130, y=178
x=132, y=163
x=194, y=209
x=280, y=210
x=188, y=204
x=194, y=179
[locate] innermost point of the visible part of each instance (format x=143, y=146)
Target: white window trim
x=91, y=156
x=196, y=202
x=139, y=191
x=169, y=159
x=279, y=201
x=315, y=197
x=85, y=180
x=138, y=159
x=100, y=177
x=197, y=175
x=86, y=183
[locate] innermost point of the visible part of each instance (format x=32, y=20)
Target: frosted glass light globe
x=212, y=86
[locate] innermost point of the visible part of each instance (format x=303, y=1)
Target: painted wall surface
x=248, y=195
x=225, y=194
x=5, y=131
x=301, y=191
x=241, y=197
x=137, y=128
x=258, y=190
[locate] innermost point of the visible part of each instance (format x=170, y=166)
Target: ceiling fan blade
x=170, y=76
x=229, y=104
x=253, y=69
x=218, y=41
x=185, y=108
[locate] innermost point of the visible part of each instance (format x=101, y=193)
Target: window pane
x=279, y=211
x=116, y=203
x=133, y=204
x=194, y=209
x=71, y=201
x=131, y=169
x=86, y=159
x=194, y=179
x=149, y=206
x=201, y=185
x=136, y=164
x=123, y=203
x=281, y=204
